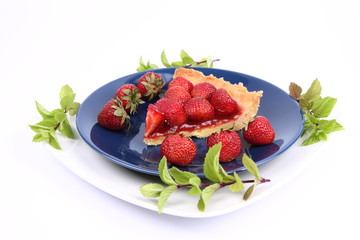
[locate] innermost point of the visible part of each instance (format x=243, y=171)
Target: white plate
x=124, y=184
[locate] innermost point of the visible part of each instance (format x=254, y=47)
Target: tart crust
x=248, y=103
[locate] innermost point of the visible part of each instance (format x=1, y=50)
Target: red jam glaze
x=190, y=126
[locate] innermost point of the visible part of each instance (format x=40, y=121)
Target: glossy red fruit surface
x=259, y=131
x=223, y=104
x=113, y=116
x=178, y=150
x=181, y=82
x=178, y=93
x=199, y=110
x=231, y=144
x=204, y=90
x=150, y=85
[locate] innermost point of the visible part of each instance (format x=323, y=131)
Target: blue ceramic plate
x=127, y=148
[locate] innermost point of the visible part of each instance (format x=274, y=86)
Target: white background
x=47, y=44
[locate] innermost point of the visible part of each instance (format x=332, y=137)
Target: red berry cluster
x=201, y=102
x=115, y=113
x=184, y=102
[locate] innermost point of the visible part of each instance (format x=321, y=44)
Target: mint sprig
x=315, y=109
x=177, y=179
x=185, y=61
x=56, y=120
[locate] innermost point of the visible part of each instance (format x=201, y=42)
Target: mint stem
x=189, y=65
x=204, y=185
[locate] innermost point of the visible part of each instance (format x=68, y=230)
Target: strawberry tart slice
x=196, y=105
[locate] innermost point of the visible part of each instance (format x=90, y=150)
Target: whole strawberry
x=223, y=104
x=178, y=93
x=150, y=85
x=231, y=144
x=181, y=82
x=259, y=131
x=178, y=150
x=113, y=115
x=173, y=111
x=129, y=96
x=204, y=90
x=199, y=109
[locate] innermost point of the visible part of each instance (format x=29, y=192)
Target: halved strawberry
x=173, y=110
x=154, y=119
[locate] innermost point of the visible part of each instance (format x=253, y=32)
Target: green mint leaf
x=314, y=92
x=206, y=195
x=182, y=177
x=316, y=135
x=305, y=105
x=164, y=60
x=185, y=58
x=60, y=116
x=310, y=123
x=66, y=130
x=67, y=101
x=48, y=123
x=308, y=126
x=144, y=67
x=209, y=62
x=312, y=119
x=248, y=192
x=318, y=129
x=330, y=126
x=56, y=119
x=67, y=97
x=306, y=101
x=53, y=141
x=74, y=109
x=238, y=185
x=251, y=167
x=164, y=195
x=323, y=107
x=164, y=172
x=226, y=178
x=295, y=91
x=178, y=64
x=39, y=128
x=195, y=181
x=152, y=66
x=152, y=190
x=43, y=112
x=39, y=137
x=65, y=91
x=211, y=164
x=194, y=190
